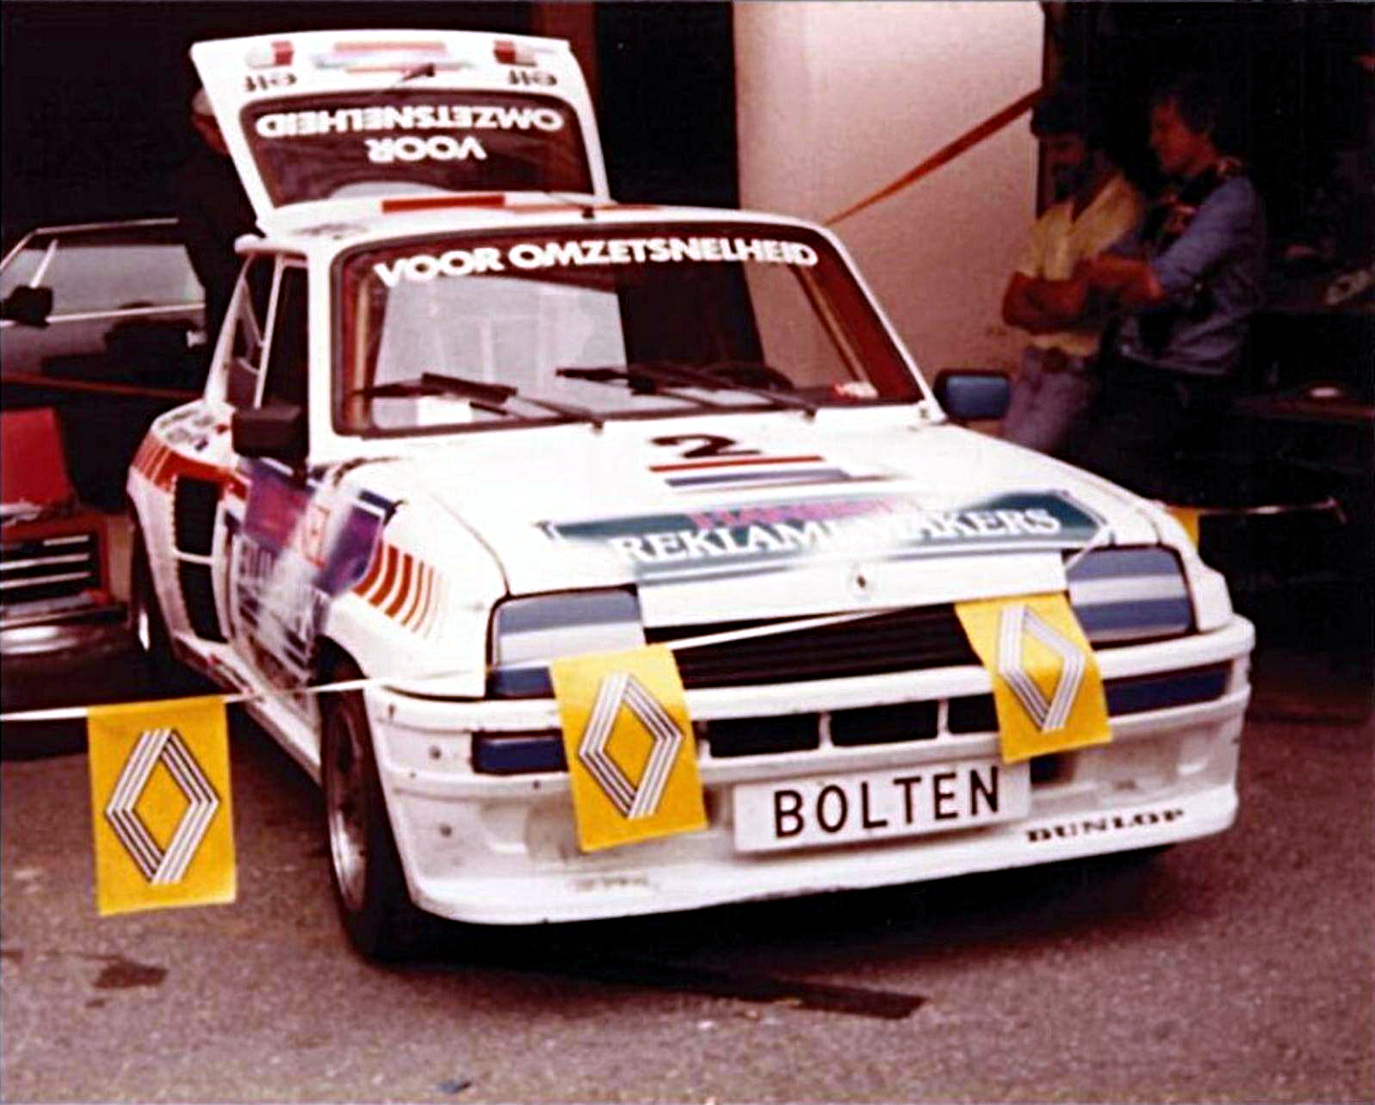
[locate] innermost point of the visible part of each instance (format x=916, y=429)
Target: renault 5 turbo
x=646, y=569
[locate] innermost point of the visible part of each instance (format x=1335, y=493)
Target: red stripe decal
x=404, y=591
x=374, y=569
x=388, y=577
x=737, y=463
x=422, y=572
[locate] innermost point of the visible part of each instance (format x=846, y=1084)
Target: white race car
x=452, y=441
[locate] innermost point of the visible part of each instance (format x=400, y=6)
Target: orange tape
x=945, y=154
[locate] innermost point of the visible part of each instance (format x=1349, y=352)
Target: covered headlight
x=1130, y=594
x=528, y=633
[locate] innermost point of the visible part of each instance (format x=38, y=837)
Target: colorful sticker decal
x=403, y=587
x=387, y=57
x=379, y=118
x=162, y=465
x=1047, y=689
x=295, y=555
x=687, y=544
x=424, y=267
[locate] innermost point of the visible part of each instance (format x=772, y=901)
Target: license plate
x=835, y=809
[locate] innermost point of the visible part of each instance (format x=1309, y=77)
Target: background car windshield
x=361, y=143
x=106, y=269
x=774, y=309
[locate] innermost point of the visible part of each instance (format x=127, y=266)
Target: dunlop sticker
x=1047, y=689
x=160, y=805
x=632, y=762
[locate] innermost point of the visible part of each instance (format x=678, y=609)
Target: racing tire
x=365, y=868
x=148, y=625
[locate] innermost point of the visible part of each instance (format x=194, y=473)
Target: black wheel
x=148, y=624
x=369, y=885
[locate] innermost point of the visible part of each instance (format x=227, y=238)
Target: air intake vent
x=193, y=514
x=198, y=592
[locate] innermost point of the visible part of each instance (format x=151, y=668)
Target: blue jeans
x=1049, y=396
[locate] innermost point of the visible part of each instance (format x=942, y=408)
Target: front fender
x=418, y=618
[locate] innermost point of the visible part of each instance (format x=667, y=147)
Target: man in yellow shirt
x=1095, y=206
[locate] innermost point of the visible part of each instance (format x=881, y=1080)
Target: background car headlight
x=528, y=633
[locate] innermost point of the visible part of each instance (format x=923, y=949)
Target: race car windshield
x=403, y=139
x=628, y=321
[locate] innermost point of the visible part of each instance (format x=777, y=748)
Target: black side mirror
x=277, y=432
x=28, y=306
x=973, y=394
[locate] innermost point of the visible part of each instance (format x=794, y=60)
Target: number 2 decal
x=713, y=445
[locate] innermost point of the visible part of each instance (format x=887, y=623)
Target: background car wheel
x=148, y=624
x=369, y=885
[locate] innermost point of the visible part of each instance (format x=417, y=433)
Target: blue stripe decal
x=1164, y=615
x=514, y=755
x=761, y=477
x=1158, y=692
x=559, y=611
x=1116, y=563
x=533, y=682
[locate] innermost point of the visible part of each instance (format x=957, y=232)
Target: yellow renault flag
x=1047, y=689
x=164, y=832
x=632, y=762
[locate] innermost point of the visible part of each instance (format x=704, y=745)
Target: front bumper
x=503, y=849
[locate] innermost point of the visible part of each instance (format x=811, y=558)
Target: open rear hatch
x=329, y=115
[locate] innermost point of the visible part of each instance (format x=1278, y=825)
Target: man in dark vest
x=1187, y=282
x=212, y=211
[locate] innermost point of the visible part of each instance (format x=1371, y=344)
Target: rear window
x=394, y=140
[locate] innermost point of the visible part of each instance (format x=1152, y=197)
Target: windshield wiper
x=483, y=396
x=650, y=376
x=640, y=379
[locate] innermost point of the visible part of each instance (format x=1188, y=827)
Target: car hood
x=756, y=516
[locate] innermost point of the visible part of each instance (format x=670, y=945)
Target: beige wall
x=837, y=99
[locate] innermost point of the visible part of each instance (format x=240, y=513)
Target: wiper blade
x=650, y=376
x=641, y=379
x=484, y=396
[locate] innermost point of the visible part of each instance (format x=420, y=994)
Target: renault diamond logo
x=1016, y=622
x=622, y=689
x=161, y=746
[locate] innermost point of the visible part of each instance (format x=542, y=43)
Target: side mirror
x=28, y=306
x=973, y=394
x=277, y=432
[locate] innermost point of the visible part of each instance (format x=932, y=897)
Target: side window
x=246, y=349
x=286, y=360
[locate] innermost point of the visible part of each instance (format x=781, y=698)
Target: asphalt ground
x=1238, y=968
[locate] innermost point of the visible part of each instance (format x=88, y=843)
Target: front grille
x=49, y=567
x=756, y=736
x=905, y=640
x=869, y=725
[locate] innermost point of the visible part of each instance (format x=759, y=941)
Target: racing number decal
x=713, y=445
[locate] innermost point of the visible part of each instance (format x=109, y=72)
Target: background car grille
x=49, y=567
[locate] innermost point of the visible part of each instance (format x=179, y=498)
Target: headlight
x=528, y=633
x=1130, y=594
